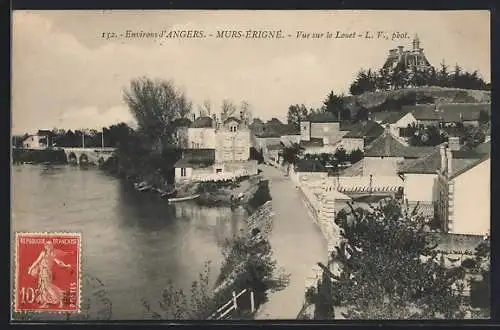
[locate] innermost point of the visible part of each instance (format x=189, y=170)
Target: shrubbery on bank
x=35, y=156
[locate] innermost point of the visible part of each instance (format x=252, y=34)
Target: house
x=421, y=179
x=195, y=163
x=464, y=195
x=384, y=155
x=435, y=115
x=214, y=150
x=232, y=141
x=273, y=132
x=320, y=133
x=41, y=140
x=308, y=170
x=201, y=133
x=363, y=133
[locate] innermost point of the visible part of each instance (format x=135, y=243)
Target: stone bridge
x=88, y=155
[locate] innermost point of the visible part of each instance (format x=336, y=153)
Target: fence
x=221, y=176
x=232, y=305
x=365, y=183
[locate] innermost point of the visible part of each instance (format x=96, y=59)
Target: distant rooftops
x=449, y=112
x=202, y=122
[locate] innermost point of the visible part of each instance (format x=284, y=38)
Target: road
x=297, y=245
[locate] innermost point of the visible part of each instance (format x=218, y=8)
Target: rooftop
x=431, y=162
x=387, y=146
x=313, y=142
x=203, y=122
x=368, y=129
x=393, y=117
x=232, y=119
x=196, y=158
x=452, y=112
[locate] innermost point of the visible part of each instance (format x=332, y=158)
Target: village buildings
x=439, y=115
x=41, y=140
x=213, y=150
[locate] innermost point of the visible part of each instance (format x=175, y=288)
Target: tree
x=355, y=156
x=246, y=112
x=206, y=108
x=484, y=117
x=443, y=75
x=228, y=109
x=155, y=104
x=390, y=268
x=291, y=154
x=340, y=155
x=296, y=113
x=333, y=104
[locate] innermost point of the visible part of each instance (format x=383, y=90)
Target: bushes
x=53, y=156
x=261, y=196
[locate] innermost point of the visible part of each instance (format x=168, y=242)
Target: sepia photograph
x=250, y=165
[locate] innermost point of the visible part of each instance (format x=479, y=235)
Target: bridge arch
x=72, y=159
x=84, y=159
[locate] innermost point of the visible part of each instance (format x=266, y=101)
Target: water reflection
x=133, y=242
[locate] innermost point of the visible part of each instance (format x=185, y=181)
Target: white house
x=464, y=197
x=215, y=151
x=421, y=176
x=41, y=140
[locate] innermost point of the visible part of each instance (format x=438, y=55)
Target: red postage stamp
x=47, y=272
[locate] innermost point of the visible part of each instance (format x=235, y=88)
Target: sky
x=65, y=75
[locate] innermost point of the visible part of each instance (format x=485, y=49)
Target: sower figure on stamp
x=49, y=293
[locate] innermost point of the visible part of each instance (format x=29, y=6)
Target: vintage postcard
x=248, y=165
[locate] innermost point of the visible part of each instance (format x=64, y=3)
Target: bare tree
x=228, y=109
x=205, y=109
x=246, y=112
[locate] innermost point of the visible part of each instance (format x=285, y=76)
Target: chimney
x=442, y=153
x=449, y=157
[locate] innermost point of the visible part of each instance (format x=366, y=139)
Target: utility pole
x=102, y=138
x=83, y=138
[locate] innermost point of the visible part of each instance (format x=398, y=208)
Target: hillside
x=393, y=100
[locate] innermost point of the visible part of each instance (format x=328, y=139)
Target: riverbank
x=38, y=156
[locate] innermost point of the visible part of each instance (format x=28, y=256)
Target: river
x=133, y=242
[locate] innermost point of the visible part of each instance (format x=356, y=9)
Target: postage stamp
x=47, y=269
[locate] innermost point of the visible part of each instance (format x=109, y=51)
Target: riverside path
x=297, y=245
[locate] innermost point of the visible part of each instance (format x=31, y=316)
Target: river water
x=133, y=242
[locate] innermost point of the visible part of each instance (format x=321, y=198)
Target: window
x=218, y=170
x=183, y=171
x=232, y=128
